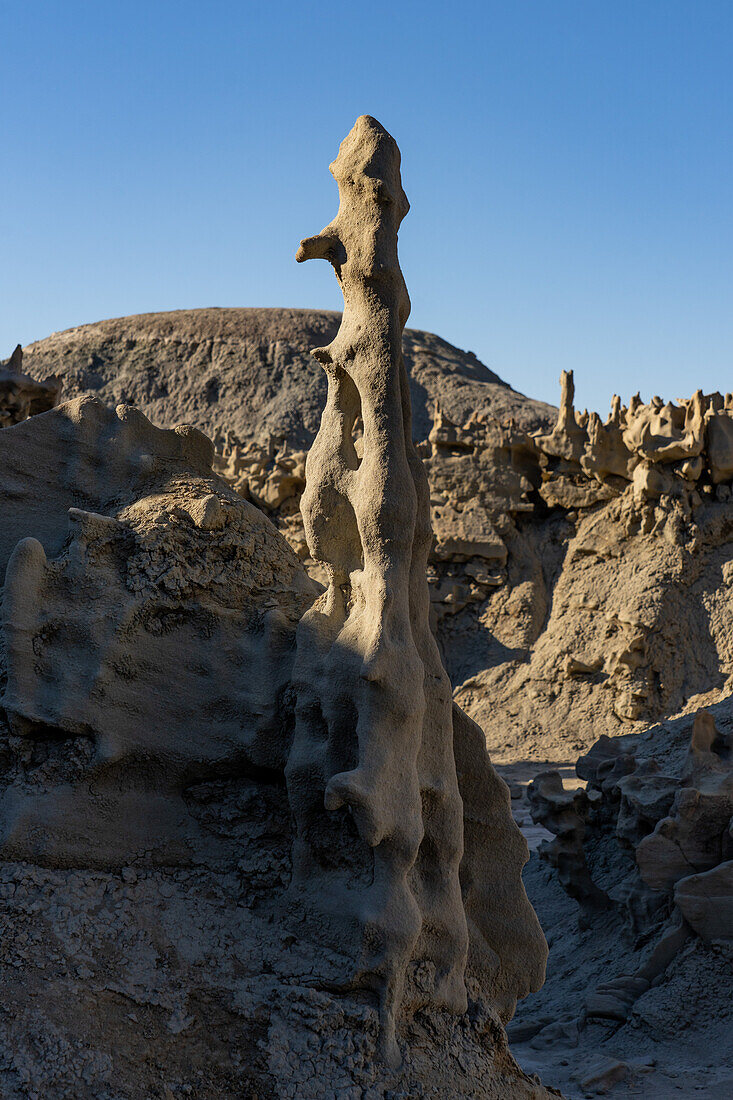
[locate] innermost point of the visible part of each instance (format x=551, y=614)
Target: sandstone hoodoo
x=374, y=705
x=250, y=845
x=374, y=717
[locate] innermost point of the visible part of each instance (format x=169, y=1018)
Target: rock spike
x=373, y=741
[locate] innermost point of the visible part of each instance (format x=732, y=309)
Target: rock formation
x=579, y=585
x=662, y=449
x=565, y=813
x=20, y=395
x=581, y=625
x=638, y=989
x=373, y=719
x=675, y=822
x=374, y=726
x=249, y=845
x=555, y=582
x=108, y=634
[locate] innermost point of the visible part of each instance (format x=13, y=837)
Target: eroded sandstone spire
x=372, y=766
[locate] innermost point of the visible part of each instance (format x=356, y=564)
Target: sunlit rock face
x=374, y=720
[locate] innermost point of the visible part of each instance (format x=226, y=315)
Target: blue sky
x=568, y=163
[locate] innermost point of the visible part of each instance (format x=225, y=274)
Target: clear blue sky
x=568, y=163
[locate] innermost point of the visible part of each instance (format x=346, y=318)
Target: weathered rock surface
x=580, y=636
x=675, y=823
x=160, y=590
x=250, y=371
x=373, y=718
x=20, y=395
x=136, y=675
x=564, y=813
x=563, y=557
x=249, y=844
x=643, y=986
x=706, y=902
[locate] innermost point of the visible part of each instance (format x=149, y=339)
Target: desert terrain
x=366, y=725
x=579, y=592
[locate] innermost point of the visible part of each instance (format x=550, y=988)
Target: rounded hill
x=250, y=370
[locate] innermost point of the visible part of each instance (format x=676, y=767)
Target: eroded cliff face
x=613, y=608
